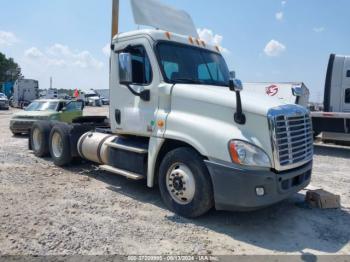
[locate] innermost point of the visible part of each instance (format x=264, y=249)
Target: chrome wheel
x=180, y=183
x=36, y=139
x=57, y=145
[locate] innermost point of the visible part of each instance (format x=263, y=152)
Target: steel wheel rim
x=57, y=145
x=180, y=183
x=36, y=139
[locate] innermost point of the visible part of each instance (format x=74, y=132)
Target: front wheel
x=185, y=183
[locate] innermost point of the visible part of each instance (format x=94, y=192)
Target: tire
x=59, y=145
x=39, y=138
x=182, y=164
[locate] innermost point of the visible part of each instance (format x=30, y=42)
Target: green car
x=45, y=109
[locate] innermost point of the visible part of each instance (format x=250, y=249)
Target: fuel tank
x=93, y=146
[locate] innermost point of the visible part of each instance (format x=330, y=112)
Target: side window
x=347, y=96
x=74, y=106
x=142, y=70
x=348, y=73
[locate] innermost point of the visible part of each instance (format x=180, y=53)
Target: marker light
x=168, y=35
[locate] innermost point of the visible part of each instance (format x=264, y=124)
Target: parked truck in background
x=177, y=120
x=334, y=121
x=25, y=91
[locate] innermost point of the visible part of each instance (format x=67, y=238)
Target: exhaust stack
x=115, y=18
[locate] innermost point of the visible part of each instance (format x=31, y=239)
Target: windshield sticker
x=272, y=90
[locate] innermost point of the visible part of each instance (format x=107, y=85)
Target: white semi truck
x=179, y=122
x=334, y=121
x=25, y=91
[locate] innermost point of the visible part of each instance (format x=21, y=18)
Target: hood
x=222, y=96
x=3, y=99
x=34, y=114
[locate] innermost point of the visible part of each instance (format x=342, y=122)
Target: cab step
x=125, y=173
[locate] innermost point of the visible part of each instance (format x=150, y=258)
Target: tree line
x=9, y=69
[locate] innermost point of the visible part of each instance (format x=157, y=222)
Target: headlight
x=247, y=154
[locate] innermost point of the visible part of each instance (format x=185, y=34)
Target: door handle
x=117, y=116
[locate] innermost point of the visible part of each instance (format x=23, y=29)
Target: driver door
x=129, y=114
x=72, y=110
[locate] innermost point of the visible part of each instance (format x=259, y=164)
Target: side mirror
x=236, y=85
x=125, y=68
x=232, y=74
x=298, y=91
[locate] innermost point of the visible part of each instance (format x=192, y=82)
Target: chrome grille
x=292, y=137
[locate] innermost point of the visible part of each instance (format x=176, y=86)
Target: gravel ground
x=45, y=210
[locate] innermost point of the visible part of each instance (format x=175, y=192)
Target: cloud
x=33, y=53
x=318, y=29
x=106, y=50
x=283, y=3
x=279, y=16
x=274, y=48
x=60, y=55
x=59, y=50
x=210, y=38
x=8, y=38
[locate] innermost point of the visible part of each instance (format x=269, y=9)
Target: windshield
x=186, y=64
x=2, y=95
x=42, y=106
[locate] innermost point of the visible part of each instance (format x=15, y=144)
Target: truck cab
x=189, y=104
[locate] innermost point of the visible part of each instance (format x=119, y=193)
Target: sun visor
x=155, y=14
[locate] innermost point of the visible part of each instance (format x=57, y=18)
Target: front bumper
x=21, y=126
x=235, y=188
x=4, y=105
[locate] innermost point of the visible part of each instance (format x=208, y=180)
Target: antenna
x=115, y=18
x=50, y=82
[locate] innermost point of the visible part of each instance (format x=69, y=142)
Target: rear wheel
x=39, y=138
x=59, y=145
x=185, y=183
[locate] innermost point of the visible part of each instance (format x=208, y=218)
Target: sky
x=263, y=41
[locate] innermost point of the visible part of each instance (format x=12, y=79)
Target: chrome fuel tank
x=93, y=146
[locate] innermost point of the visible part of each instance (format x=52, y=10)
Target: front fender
x=210, y=136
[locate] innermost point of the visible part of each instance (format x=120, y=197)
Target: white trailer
x=178, y=121
x=24, y=92
x=334, y=122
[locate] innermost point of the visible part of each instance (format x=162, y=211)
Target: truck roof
x=159, y=35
